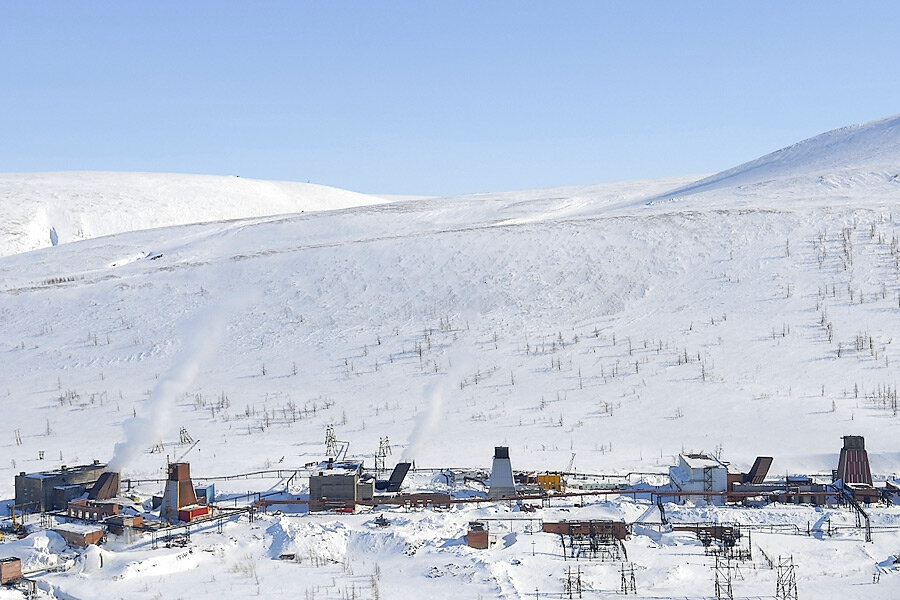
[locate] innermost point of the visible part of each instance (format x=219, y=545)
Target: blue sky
x=430, y=97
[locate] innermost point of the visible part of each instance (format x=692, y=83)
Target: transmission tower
x=185, y=437
x=384, y=448
x=628, y=584
x=786, y=586
x=331, y=447
x=723, y=580
x=573, y=583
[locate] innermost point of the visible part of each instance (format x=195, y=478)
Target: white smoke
x=460, y=365
x=426, y=421
x=201, y=335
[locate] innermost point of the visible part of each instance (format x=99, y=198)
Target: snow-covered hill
x=863, y=156
x=42, y=209
x=622, y=323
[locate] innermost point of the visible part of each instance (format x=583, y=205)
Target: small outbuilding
x=80, y=536
x=10, y=569
x=206, y=494
x=119, y=523
x=193, y=512
x=477, y=536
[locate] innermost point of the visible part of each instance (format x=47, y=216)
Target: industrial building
x=119, y=524
x=339, y=485
x=179, y=501
x=615, y=529
x=52, y=490
x=503, y=486
x=87, y=510
x=795, y=489
x=206, y=494
x=697, y=473
x=853, y=464
x=10, y=569
x=853, y=473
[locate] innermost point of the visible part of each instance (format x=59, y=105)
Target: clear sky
x=434, y=97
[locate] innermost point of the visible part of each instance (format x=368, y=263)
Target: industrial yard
x=593, y=535
x=667, y=389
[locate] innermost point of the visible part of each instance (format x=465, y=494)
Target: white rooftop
x=77, y=528
x=701, y=461
x=346, y=467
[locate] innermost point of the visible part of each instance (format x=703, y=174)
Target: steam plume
x=426, y=426
x=201, y=335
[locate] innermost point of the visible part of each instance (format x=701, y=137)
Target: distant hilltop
x=869, y=152
x=43, y=209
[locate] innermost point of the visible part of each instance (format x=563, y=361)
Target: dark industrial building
x=338, y=485
x=52, y=490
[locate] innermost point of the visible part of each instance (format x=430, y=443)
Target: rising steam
x=426, y=421
x=201, y=335
x=426, y=425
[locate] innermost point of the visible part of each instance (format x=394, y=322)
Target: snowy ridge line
x=849, y=152
x=46, y=209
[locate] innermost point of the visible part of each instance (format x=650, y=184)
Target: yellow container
x=550, y=481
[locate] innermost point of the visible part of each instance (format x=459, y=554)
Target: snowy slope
x=595, y=320
x=866, y=155
x=81, y=205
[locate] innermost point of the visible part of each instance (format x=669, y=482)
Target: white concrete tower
x=502, y=483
